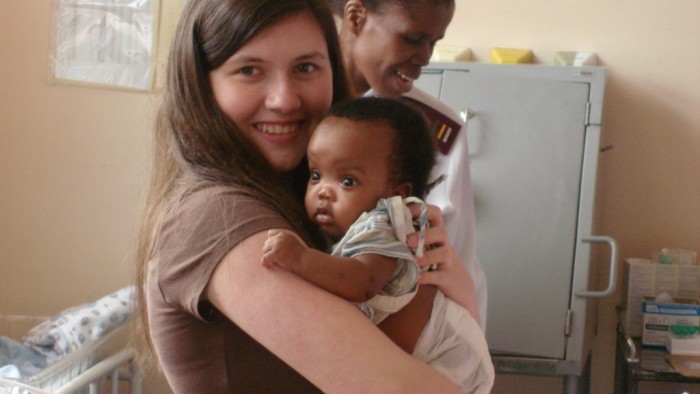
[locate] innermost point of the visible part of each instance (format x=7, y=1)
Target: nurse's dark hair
x=376, y=5
x=412, y=155
x=195, y=145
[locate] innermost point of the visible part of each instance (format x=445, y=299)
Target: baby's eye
x=314, y=176
x=348, y=181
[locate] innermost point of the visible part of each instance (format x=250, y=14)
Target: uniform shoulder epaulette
x=443, y=127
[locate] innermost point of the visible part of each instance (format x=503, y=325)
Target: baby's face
x=349, y=165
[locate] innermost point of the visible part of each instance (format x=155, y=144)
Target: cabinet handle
x=613, y=268
x=474, y=137
x=466, y=114
x=631, y=354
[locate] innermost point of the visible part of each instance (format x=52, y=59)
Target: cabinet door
x=526, y=141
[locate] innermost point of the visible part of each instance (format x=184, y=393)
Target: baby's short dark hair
x=413, y=153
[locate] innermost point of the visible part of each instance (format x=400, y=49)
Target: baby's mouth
x=322, y=216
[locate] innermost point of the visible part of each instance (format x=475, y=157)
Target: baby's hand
x=283, y=249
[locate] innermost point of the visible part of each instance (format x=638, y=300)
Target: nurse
x=385, y=44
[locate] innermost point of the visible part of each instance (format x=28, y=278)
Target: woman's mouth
x=277, y=129
x=404, y=77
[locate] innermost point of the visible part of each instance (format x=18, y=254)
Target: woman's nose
x=423, y=55
x=282, y=95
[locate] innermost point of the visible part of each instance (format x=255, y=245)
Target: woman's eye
x=306, y=68
x=348, y=182
x=314, y=176
x=248, y=70
x=411, y=40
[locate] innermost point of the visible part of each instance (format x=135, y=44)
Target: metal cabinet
x=533, y=135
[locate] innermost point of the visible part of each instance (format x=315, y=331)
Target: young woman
x=385, y=44
x=246, y=81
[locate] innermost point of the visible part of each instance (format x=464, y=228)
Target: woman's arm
x=356, y=279
x=321, y=336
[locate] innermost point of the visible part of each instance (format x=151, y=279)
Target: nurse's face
x=392, y=45
x=276, y=87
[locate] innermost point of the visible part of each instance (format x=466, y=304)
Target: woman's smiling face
x=276, y=87
x=393, y=44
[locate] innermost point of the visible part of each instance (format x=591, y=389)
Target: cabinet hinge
x=567, y=325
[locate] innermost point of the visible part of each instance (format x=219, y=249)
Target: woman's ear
x=404, y=190
x=355, y=15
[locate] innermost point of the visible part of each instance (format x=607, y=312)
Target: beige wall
x=73, y=160
x=73, y=165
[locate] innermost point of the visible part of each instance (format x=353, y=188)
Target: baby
x=368, y=159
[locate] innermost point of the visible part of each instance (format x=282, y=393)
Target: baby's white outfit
x=383, y=231
x=452, y=342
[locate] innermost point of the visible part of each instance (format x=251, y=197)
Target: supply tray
x=62, y=372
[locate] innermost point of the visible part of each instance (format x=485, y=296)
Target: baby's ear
x=404, y=190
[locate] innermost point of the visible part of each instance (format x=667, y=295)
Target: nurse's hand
x=449, y=274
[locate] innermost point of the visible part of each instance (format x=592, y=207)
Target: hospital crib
x=105, y=365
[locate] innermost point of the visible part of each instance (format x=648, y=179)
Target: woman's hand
x=449, y=273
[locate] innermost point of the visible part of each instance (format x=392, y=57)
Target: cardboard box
x=644, y=278
x=659, y=317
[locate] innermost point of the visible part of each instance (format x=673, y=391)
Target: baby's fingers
x=267, y=260
x=274, y=232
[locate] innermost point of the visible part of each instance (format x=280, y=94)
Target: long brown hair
x=195, y=144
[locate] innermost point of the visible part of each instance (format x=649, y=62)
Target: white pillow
x=78, y=326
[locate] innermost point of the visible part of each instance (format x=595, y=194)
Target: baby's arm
x=315, y=332
x=355, y=279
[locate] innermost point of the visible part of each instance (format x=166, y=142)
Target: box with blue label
x=645, y=278
x=660, y=318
